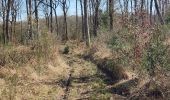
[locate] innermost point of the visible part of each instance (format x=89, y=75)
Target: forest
x=84, y=49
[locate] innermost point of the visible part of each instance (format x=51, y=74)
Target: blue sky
x=71, y=10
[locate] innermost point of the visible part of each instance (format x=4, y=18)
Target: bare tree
x=3, y=18
x=36, y=15
x=151, y=6
x=55, y=5
x=82, y=18
x=96, y=17
x=76, y=16
x=147, y=8
x=46, y=13
x=86, y=24
x=29, y=18
x=7, y=20
x=135, y=9
x=65, y=6
x=111, y=13
x=15, y=6
x=142, y=11
x=158, y=12
x=51, y=16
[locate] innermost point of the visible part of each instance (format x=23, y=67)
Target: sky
x=71, y=10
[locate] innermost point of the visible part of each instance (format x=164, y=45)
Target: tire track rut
x=77, y=83
x=69, y=80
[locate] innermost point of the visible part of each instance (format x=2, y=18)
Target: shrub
x=104, y=19
x=157, y=52
x=147, y=50
x=66, y=50
x=122, y=44
x=41, y=48
x=167, y=18
x=16, y=56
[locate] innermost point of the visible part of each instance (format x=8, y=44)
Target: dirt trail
x=80, y=77
x=86, y=80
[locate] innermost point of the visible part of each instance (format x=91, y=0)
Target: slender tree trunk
x=36, y=17
x=51, y=16
x=76, y=17
x=147, y=8
x=12, y=20
x=90, y=6
x=15, y=20
x=126, y=7
x=82, y=19
x=56, y=22
x=158, y=12
x=86, y=24
x=3, y=25
x=111, y=14
x=142, y=11
x=21, y=30
x=29, y=16
x=107, y=6
x=47, y=15
x=7, y=21
x=131, y=6
x=163, y=8
x=121, y=8
x=135, y=8
x=65, y=26
x=151, y=5
x=166, y=5
x=64, y=8
x=96, y=18
x=154, y=18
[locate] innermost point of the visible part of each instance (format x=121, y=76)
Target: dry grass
x=32, y=72
x=100, y=45
x=29, y=81
x=33, y=80
x=37, y=71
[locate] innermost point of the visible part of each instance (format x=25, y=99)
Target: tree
x=36, y=15
x=65, y=7
x=76, y=16
x=158, y=12
x=151, y=4
x=3, y=19
x=51, y=16
x=55, y=5
x=96, y=17
x=82, y=19
x=142, y=11
x=29, y=18
x=86, y=24
x=7, y=20
x=111, y=14
x=135, y=9
x=45, y=7
x=15, y=6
